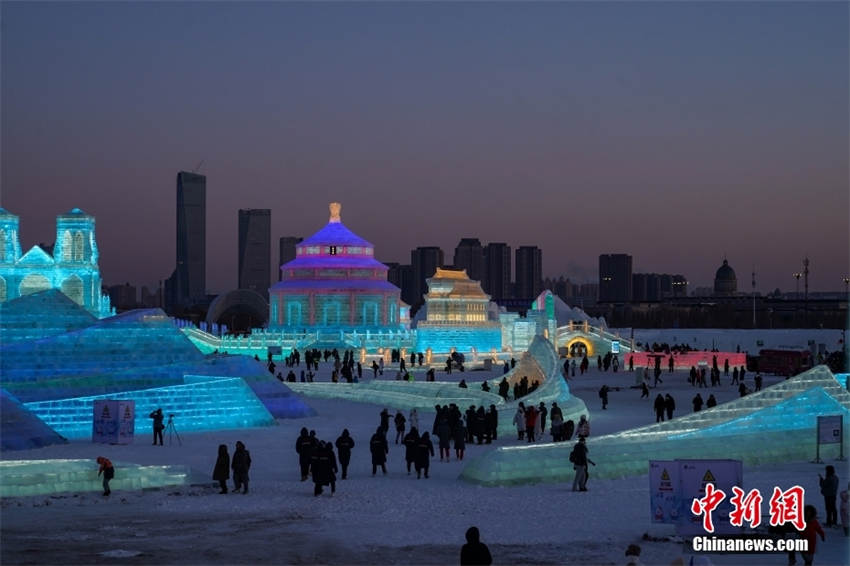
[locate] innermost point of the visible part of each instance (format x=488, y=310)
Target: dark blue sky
x=677, y=132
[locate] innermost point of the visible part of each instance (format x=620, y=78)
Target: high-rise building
x=255, y=234
x=529, y=272
x=615, y=278
x=497, y=279
x=123, y=297
x=188, y=283
x=287, y=252
x=469, y=255
x=425, y=261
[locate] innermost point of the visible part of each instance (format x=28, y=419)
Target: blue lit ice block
x=777, y=424
x=40, y=315
x=22, y=430
x=203, y=403
x=19, y=478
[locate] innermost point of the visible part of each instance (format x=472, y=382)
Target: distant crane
x=198, y=167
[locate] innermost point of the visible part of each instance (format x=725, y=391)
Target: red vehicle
x=781, y=362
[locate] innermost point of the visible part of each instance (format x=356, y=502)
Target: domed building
x=334, y=284
x=725, y=282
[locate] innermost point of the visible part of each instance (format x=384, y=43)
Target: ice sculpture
x=23, y=430
x=19, y=478
x=202, y=403
x=71, y=266
x=40, y=315
x=539, y=363
x=773, y=425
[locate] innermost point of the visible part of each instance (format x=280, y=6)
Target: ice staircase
x=20, y=478
x=40, y=315
x=202, y=403
x=777, y=424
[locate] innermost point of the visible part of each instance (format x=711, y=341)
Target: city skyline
x=678, y=134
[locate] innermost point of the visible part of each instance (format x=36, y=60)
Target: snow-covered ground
x=393, y=519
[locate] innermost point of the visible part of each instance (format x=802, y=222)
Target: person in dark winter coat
x=444, y=433
x=579, y=459
x=241, y=464
x=480, y=424
x=400, y=421
x=344, y=444
x=304, y=448
x=424, y=453
x=158, y=425
x=697, y=401
x=669, y=405
x=492, y=424
x=829, y=490
x=323, y=468
x=659, y=408
x=221, y=472
x=411, y=439
x=712, y=402
x=385, y=421
x=379, y=448
x=460, y=441
x=603, y=394
x=475, y=552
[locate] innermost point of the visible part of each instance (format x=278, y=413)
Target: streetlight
x=797, y=277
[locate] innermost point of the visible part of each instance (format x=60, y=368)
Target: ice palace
x=57, y=357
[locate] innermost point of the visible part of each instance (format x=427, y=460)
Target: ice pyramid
x=39, y=315
x=777, y=424
x=23, y=430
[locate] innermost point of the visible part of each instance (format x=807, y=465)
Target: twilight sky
x=676, y=132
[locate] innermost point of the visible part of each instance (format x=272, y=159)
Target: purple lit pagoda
x=334, y=283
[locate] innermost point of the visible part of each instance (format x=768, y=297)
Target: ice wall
x=37, y=477
x=774, y=425
x=39, y=315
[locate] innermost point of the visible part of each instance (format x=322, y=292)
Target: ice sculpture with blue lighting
x=70, y=265
x=202, y=403
x=777, y=424
x=22, y=430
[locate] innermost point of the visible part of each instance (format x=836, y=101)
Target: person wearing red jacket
x=810, y=533
x=108, y=473
x=530, y=422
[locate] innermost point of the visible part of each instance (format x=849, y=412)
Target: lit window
x=332, y=250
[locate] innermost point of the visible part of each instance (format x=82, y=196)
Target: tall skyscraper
x=287, y=252
x=187, y=285
x=497, y=262
x=615, y=278
x=529, y=272
x=425, y=261
x=469, y=255
x=255, y=234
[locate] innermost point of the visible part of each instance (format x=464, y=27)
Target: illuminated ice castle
x=72, y=268
x=457, y=316
x=334, y=284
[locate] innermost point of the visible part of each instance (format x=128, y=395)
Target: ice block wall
x=203, y=403
x=21, y=429
x=37, y=477
x=777, y=424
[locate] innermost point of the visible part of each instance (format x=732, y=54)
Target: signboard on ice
x=694, y=475
x=674, y=484
x=829, y=429
x=113, y=421
x=615, y=346
x=664, y=494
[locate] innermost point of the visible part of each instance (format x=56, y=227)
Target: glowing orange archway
x=584, y=342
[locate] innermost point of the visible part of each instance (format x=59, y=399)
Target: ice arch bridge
x=576, y=339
